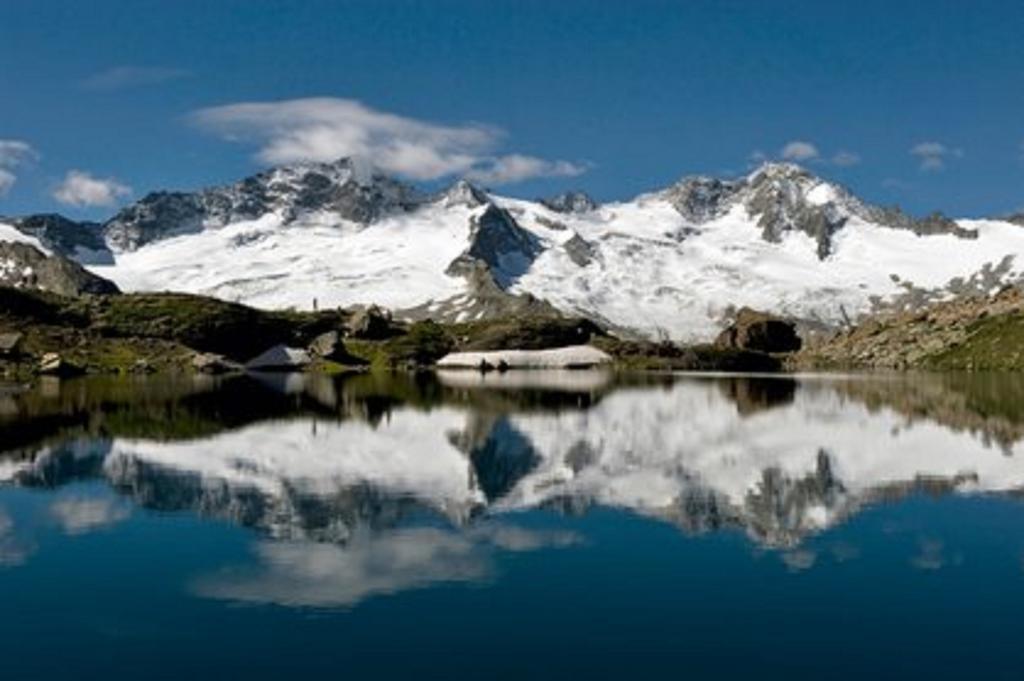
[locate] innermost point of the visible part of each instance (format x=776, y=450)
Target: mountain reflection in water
x=368, y=484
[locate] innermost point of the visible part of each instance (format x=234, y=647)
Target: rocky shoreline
x=44, y=333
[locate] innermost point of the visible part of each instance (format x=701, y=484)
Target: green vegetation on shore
x=147, y=332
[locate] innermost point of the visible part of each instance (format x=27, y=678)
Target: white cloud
x=80, y=515
x=933, y=156
x=516, y=168
x=844, y=159
x=7, y=179
x=123, y=77
x=79, y=188
x=799, y=150
x=328, y=128
x=13, y=153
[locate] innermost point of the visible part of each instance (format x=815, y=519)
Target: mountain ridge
x=669, y=263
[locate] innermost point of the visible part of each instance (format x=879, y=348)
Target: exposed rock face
x=24, y=266
x=580, y=251
x=279, y=358
x=752, y=330
x=331, y=347
x=498, y=244
x=370, y=323
x=1017, y=219
x=80, y=240
x=919, y=337
x=342, y=188
x=785, y=198
x=570, y=202
x=700, y=198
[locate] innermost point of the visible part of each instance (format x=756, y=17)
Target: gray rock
x=759, y=331
x=570, y=202
x=10, y=344
x=498, y=244
x=580, y=251
x=279, y=358
x=700, y=198
x=369, y=323
x=25, y=266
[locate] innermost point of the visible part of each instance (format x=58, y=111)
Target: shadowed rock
x=752, y=330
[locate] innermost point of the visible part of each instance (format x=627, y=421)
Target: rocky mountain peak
x=464, y=193
x=700, y=198
x=345, y=187
x=80, y=240
x=499, y=244
x=570, y=202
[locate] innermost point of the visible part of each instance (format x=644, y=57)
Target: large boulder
x=279, y=358
x=760, y=331
x=330, y=346
x=369, y=323
x=25, y=266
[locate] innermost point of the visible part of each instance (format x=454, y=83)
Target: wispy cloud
x=328, y=128
x=800, y=151
x=845, y=159
x=516, y=168
x=13, y=153
x=803, y=151
x=81, y=189
x=125, y=77
x=933, y=156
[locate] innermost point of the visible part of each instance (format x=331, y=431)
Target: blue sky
x=915, y=103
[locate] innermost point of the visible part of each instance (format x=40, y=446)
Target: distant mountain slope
x=672, y=263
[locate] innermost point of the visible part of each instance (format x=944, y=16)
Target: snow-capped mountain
x=673, y=262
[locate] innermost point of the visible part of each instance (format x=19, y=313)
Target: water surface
x=530, y=525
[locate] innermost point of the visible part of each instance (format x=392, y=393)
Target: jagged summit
x=464, y=193
x=668, y=264
x=498, y=244
x=570, y=202
x=80, y=240
x=345, y=188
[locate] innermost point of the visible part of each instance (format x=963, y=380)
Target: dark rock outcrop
x=778, y=195
x=580, y=251
x=700, y=198
x=25, y=266
x=370, y=323
x=759, y=331
x=498, y=244
x=570, y=202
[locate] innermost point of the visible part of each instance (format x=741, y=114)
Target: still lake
x=525, y=525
